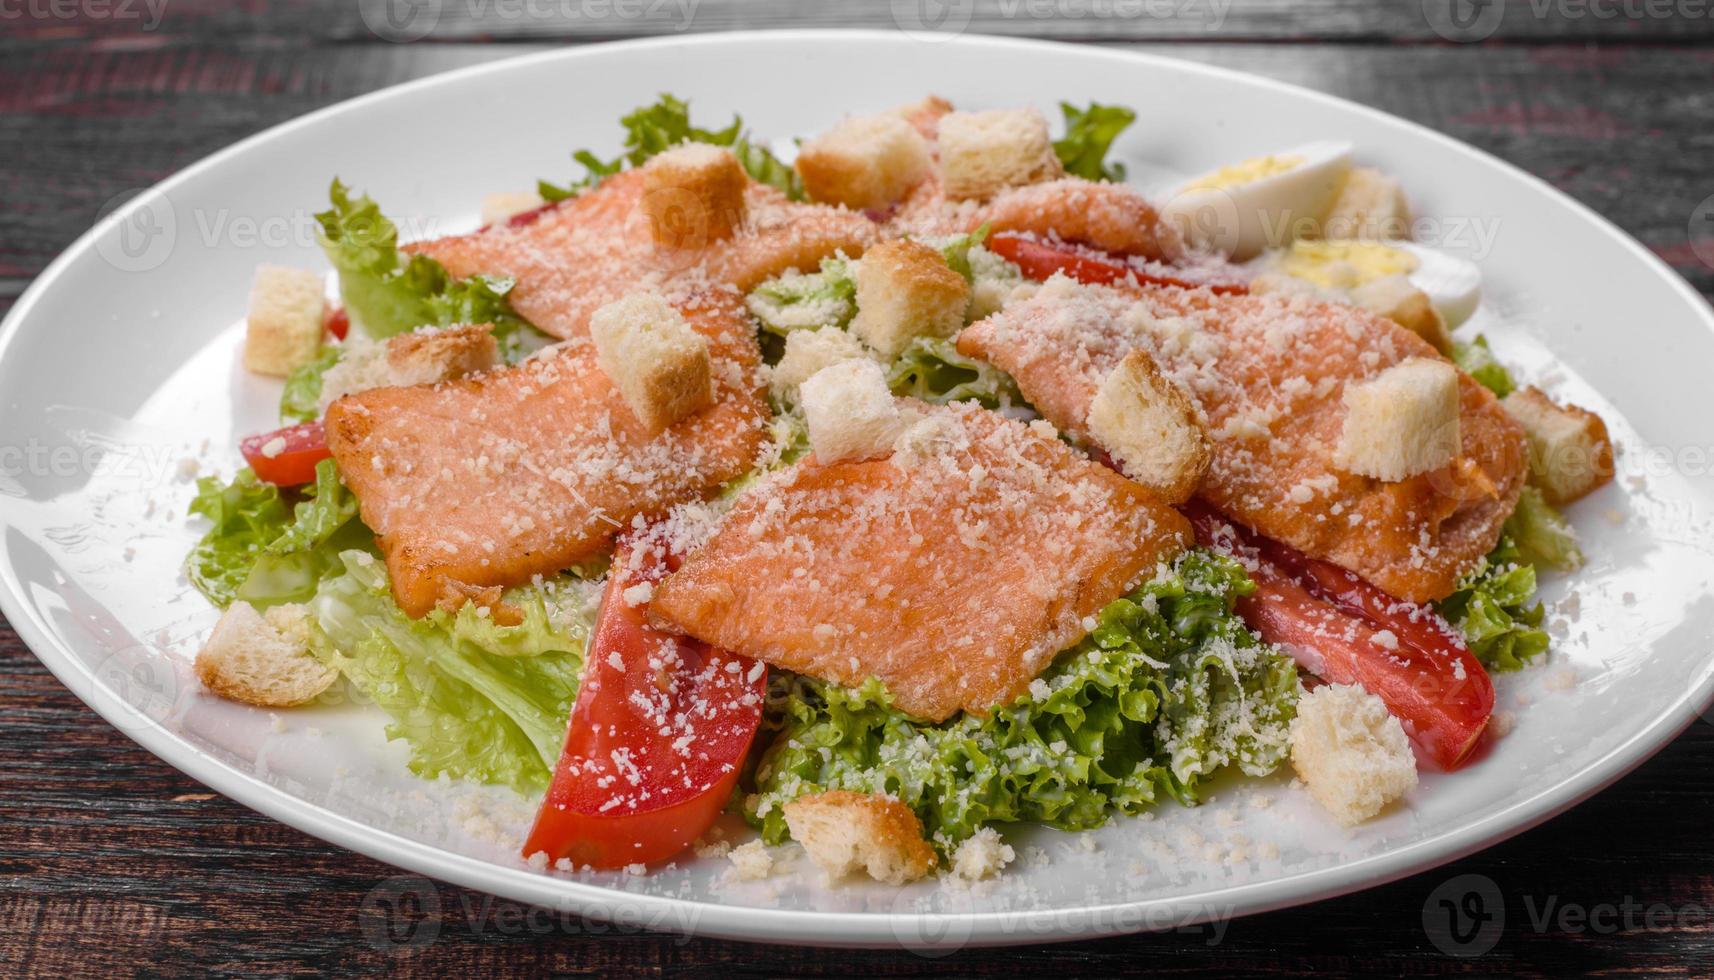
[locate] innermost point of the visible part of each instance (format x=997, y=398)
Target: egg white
x=1242, y=219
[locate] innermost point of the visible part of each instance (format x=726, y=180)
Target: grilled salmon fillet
x=571, y=259
x=954, y=571
x=1270, y=373
x=1111, y=217
x=489, y=480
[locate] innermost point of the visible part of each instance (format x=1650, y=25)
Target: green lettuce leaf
x=932, y=369
x=1169, y=689
x=957, y=252
x=1089, y=133
x=652, y=129
x=265, y=552
x=1493, y=605
x=473, y=699
x=301, y=399
x=1543, y=537
x=1478, y=361
x=806, y=300
x=386, y=292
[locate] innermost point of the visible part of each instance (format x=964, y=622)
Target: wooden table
x=114, y=863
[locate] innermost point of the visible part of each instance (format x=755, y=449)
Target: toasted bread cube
x=1351, y=753
x=425, y=356
x=983, y=153
x=850, y=412
x=693, y=195
x=285, y=323
x=1151, y=428
x=657, y=361
x=1570, y=453
x=497, y=208
x=847, y=832
x=924, y=114
x=808, y=351
x=263, y=660
x=864, y=162
x=1369, y=206
x=1401, y=422
x=1396, y=299
x=905, y=290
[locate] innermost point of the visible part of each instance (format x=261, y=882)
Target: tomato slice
x=1040, y=260
x=1346, y=631
x=337, y=322
x=657, y=737
x=286, y=457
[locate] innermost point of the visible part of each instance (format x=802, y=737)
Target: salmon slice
x=954, y=571
x=1111, y=217
x=490, y=480
x=1270, y=373
x=571, y=259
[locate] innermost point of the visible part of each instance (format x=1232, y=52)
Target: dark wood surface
x=111, y=862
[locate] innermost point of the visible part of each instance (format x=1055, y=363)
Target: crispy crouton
x=983, y=153
x=1370, y=206
x=693, y=195
x=1350, y=752
x=426, y=356
x=850, y=412
x=263, y=659
x=808, y=351
x=905, y=290
x=924, y=114
x=847, y=832
x=1402, y=422
x=1151, y=427
x=1396, y=299
x=285, y=323
x=659, y=364
x=864, y=162
x=509, y=204
x=1570, y=452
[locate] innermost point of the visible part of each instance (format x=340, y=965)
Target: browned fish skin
x=954, y=576
x=597, y=247
x=491, y=480
x=1111, y=217
x=1270, y=373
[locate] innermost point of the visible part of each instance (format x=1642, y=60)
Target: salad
x=928, y=483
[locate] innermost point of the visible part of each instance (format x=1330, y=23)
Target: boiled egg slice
x=1453, y=285
x=1264, y=202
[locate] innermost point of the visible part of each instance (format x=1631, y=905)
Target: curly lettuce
x=806, y=300
x=472, y=698
x=264, y=551
x=1169, y=689
x=655, y=128
x=932, y=369
x=1494, y=607
x=387, y=292
x=1089, y=134
x=1478, y=361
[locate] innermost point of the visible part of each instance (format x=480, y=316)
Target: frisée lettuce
x=1168, y=689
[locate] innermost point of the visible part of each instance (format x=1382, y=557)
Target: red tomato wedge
x=657, y=736
x=1346, y=631
x=337, y=322
x=1040, y=260
x=286, y=457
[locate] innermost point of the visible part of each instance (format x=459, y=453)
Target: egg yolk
x=1244, y=173
x=1341, y=265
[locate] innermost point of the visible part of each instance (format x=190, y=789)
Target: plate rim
x=921, y=930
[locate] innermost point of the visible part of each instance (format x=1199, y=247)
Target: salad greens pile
x=265, y=552
x=1168, y=690
x=1089, y=133
x=652, y=129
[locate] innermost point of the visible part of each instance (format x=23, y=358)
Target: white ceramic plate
x=118, y=379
